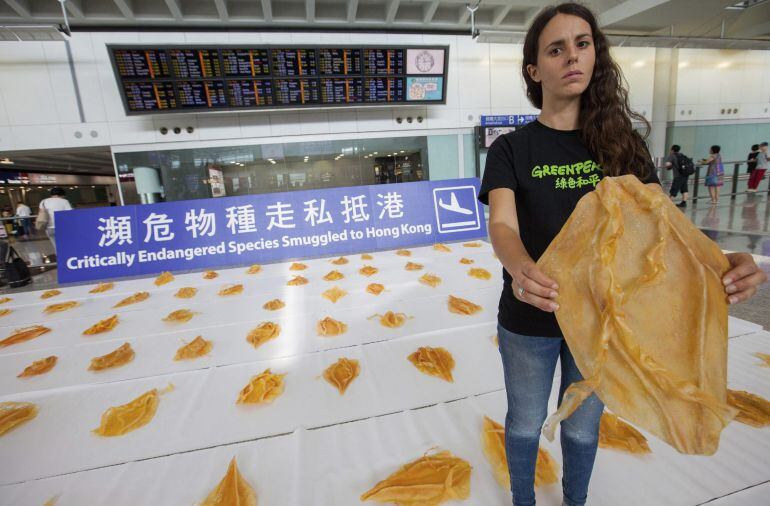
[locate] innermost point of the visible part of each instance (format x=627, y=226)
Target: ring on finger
x=521, y=291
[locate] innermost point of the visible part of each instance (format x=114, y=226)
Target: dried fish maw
x=120, y=356
x=163, y=278
x=752, y=409
x=367, y=256
x=441, y=247
x=3, y=300
x=273, y=305
x=342, y=373
x=196, y=348
x=340, y=261
x=179, y=316
x=546, y=469
x=231, y=290
x=133, y=299
x=493, y=445
x=329, y=327
x=119, y=420
x=479, y=273
x=263, y=333
x=404, y=253
x=334, y=294
x=25, y=334
x=262, y=389
x=411, y=266
x=471, y=244
x=765, y=357
x=374, y=288
x=461, y=306
x=210, y=275
x=39, y=367
x=233, y=490
x=368, y=270
x=616, y=434
x=334, y=276
x=102, y=326
x=254, y=269
x=427, y=481
x=188, y=292
x=391, y=320
x=466, y=261
x=297, y=281
x=430, y=280
x=102, y=287
x=436, y=362
x=50, y=293
x=626, y=253
x=297, y=266
x=13, y=414
x=5, y=312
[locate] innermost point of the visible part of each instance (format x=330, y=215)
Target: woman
x=584, y=132
x=715, y=173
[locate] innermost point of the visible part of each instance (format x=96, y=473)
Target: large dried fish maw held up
x=427, y=481
x=233, y=490
x=39, y=367
x=342, y=373
x=119, y=420
x=262, y=389
x=13, y=414
x=624, y=257
x=25, y=334
x=752, y=409
x=437, y=362
x=102, y=326
x=616, y=434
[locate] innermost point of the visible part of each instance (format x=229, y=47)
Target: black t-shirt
x=549, y=171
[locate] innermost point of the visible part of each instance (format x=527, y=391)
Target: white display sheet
x=311, y=445
x=334, y=465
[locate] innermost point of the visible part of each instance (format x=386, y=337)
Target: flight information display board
x=154, y=80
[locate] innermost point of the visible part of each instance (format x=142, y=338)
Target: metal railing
x=732, y=182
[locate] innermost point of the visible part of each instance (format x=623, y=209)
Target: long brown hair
x=605, y=119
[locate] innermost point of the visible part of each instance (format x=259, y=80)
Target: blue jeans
x=528, y=365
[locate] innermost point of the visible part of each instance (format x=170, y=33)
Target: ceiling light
x=6, y=161
x=401, y=151
x=684, y=64
x=639, y=63
x=374, y=153
x=724, y=64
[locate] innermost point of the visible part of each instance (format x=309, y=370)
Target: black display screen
x=182, y=78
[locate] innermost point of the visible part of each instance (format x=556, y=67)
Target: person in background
x=751, y=160
x=679, y=184
x=50, y=206
x=715, y=172
x=23, y=212
x=758, y=174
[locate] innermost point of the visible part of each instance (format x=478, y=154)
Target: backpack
x=686, y=165
x=16, y=270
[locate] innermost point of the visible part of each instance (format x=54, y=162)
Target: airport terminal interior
x=245, y=261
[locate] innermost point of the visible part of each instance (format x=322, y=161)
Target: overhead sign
x=508, y=120
x=111, y=242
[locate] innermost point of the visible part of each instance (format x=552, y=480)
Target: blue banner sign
x=111, y=242
x=511, y=120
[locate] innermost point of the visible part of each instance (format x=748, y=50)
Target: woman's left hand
x=743, y=279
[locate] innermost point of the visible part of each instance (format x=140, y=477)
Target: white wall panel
x=26, y=85
x=506, y=86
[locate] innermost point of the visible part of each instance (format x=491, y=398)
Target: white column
x=665, y=67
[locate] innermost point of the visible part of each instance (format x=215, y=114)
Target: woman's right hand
x=538, y=289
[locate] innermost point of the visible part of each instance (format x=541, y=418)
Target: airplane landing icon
x=453, y=205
